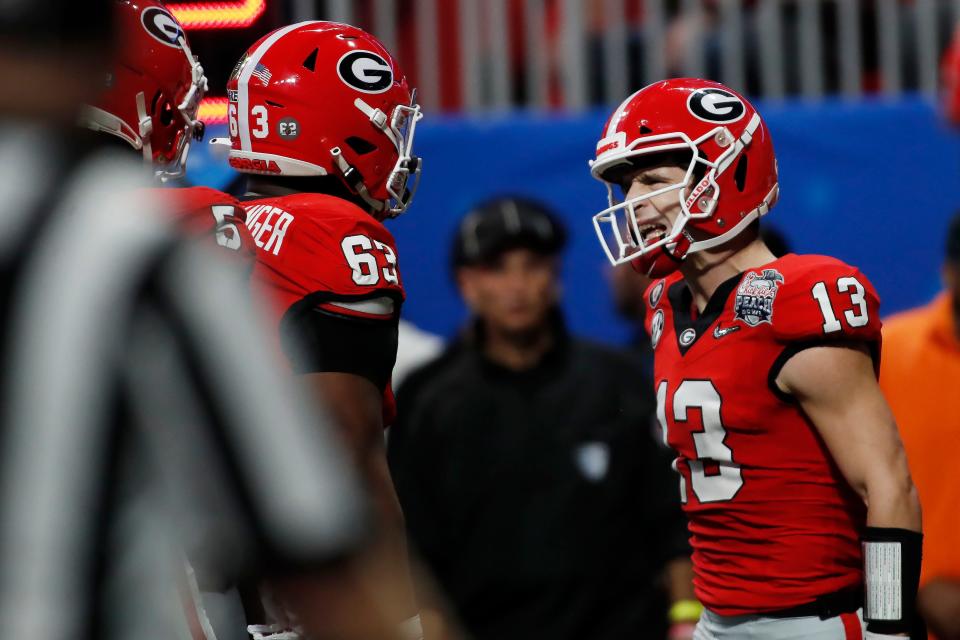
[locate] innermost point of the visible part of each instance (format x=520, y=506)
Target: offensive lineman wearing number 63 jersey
x=323, y=120
x=804, y=521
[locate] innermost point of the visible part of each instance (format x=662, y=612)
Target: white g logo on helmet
x=365, y=71
x=162, y=26
x=715, y=105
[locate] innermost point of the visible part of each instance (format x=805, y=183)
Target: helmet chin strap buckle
x=146, y=128
x=354, y=180
x=377, y=117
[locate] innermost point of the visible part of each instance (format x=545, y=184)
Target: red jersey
x=773, y=523
x=316, y=251
x=208, y=213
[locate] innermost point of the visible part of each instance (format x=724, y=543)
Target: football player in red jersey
x=803, y=518
x=149, y=104
x=323, y=121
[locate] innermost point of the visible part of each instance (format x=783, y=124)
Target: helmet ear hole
x=360, y=146
x=740, y=173
x=311, y=61
x=162, y=110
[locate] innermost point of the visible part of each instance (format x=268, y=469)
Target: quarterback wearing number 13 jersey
x=766, y=379
x=772, y=520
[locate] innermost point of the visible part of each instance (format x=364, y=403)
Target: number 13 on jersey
x=714, y=474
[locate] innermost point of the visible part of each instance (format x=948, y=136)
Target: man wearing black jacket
x=525, y=458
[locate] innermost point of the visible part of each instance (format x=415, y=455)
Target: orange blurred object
x=217, y=15
x=213, y=110
x=919, y=375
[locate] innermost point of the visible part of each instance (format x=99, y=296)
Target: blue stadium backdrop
x=872, y=183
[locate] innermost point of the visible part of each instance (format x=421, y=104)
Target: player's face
x=514, y=293
x=655, y=215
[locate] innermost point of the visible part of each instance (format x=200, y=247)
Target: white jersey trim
x=382, y=306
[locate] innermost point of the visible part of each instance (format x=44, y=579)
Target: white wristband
x=411, y=629
x=881, y=636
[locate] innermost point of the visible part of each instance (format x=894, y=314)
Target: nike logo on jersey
x=719, y=332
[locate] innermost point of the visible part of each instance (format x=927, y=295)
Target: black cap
x=506, y=223
x=953, y=239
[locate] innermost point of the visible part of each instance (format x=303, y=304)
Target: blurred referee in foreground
x=140, y=420
x=525, y=460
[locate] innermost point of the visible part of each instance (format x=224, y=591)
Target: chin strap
x=768, y=201
x=146, y=128
x=354, y=180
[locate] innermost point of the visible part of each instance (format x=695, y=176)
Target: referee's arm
x=293, y=487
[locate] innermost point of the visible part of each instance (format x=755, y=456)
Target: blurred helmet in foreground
x=153, y=89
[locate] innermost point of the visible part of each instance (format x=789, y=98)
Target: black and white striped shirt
x=139, y=417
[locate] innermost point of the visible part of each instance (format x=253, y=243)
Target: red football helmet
x=730, y=181
x=154, y=87
x=322, y=98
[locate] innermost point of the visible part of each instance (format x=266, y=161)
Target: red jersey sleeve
x=823, y=299
x=341, y=258
x=331, y=271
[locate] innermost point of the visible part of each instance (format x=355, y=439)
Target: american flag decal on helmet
x=261, y=73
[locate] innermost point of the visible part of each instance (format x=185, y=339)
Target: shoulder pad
x=810, y=298
x=325, y=244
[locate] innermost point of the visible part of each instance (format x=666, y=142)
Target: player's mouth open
x=652, y=232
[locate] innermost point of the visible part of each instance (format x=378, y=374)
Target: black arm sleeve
x=317, y=341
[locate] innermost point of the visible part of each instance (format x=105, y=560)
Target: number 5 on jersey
x=360, y=252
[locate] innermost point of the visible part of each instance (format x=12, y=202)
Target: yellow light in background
x=213, y=111
x=217, y=15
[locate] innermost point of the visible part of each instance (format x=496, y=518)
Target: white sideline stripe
x=243, y=97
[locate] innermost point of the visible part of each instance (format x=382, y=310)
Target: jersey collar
x=688, y=329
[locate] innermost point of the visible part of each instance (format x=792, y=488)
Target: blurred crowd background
x=515, y=93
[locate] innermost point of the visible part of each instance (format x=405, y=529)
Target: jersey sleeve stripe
x=382, y=307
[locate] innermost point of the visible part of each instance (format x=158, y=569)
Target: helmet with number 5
x=323, y=98
x=153, y=88
x=730, y=179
